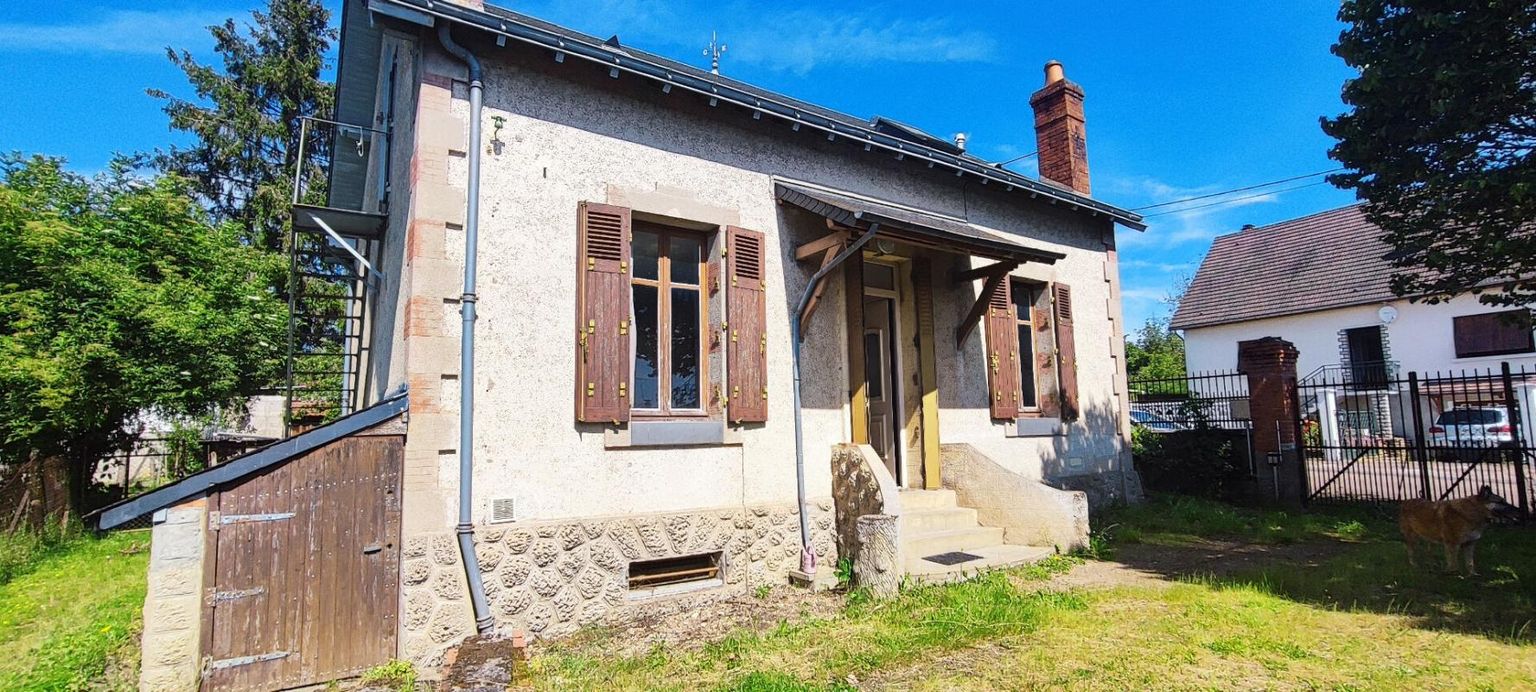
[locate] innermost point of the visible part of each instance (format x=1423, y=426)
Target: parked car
x=1467, y=433
x=1154, y=422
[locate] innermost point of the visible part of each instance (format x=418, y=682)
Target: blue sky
x=1183, y=98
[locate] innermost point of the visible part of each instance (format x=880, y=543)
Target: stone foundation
x=551, y=578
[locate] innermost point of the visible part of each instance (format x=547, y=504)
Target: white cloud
x=796, y=40
x=118, y=31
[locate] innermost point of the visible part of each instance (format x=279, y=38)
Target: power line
x=1237, y=199
x=1238, y=189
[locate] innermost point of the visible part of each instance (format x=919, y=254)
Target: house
x=1322, y=282
x=700, y=328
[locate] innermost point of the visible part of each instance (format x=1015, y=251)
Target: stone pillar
x=878, y=564
x=1270, y=364
x=173, y=635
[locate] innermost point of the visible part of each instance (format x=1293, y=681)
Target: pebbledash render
x=646, y=234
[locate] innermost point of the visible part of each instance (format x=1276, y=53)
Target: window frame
x=663, y=285
x=1495, y=315
x=1034, y=290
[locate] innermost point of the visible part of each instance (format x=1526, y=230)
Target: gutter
x=466, y=527
x=807, y=552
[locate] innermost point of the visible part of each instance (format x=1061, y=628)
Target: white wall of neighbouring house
x=1420, y=338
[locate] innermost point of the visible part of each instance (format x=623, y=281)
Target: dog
x=1455, y=524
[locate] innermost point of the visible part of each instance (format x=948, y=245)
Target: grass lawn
x=70, y=614
x=1347, y=615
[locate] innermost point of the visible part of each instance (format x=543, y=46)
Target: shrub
x=1203, y=461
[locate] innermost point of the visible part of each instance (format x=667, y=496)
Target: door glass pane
x=646, y=362
x=646, y=247
x=874, y=366
x=684, y=253
x=1027, y=366
x=880, y=276
x=685, y=348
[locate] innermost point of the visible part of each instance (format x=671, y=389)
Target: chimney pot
x=1054, y=73
x=960, y=138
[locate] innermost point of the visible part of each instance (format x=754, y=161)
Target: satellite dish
x=1387, y=314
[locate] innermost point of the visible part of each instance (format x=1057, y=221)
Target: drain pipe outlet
x=807, y=552
x=466, y=526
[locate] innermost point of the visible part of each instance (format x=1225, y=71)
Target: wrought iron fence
x=1433, y=435
x=1193, y=434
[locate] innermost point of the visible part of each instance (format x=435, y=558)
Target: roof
x=862, y=212
x=1331, y=259
x=115, y=515
x=904, y=142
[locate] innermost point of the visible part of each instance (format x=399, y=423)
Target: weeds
x=397, y=674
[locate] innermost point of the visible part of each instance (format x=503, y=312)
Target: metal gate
x=305, y=583
x=1370, y=434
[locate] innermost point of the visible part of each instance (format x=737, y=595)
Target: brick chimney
x=1059, y=133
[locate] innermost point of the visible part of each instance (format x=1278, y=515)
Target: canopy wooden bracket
x=960, y=277
x=998, y=272
x=837, y=239
x=826, y=259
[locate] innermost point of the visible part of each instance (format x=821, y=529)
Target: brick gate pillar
x=1270, y=364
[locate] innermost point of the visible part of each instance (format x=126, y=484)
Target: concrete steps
x=933, y=523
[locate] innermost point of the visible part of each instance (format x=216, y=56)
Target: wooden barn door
x=305, y=585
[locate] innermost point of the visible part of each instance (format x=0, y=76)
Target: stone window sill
x=675, y=589
x=671, y=433
x=1037, y=427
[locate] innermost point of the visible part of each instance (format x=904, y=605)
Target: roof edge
x=119, y=513
x=770, y=103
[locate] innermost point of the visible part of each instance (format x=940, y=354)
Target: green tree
x=1154, y=352
x=1439, y=140
x=118, y=296
x=246, y=117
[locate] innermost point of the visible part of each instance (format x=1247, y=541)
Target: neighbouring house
x=1322, y=282
x=647, y=431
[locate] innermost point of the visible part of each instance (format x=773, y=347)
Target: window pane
x=1027, y=398
x=874, y=367
x=646, y=362
x=880, y=276
x=646, y=247
x=1023, y=299
x=684, y=253
x=685, y=348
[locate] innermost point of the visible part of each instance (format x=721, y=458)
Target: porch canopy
x=912, y=226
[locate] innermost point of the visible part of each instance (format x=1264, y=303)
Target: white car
x=1475, y=427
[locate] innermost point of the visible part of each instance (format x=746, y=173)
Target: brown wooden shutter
x=746, y=359
x=603, y=352
x=1066, y=351
x=1002, y=351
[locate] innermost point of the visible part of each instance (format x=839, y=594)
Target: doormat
x=952, y=558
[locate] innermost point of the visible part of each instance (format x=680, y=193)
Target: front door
x=879, y=382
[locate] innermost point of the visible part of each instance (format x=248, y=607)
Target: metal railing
x=342, y=166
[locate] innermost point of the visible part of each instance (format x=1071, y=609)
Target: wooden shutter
x=1493, y=333
x=746, y=358
x=603, y=342
x=1002, y=351
x=1066, y=350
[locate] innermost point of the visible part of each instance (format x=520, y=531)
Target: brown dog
x=1455, y=524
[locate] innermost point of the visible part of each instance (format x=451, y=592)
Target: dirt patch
x=484, y=664
x=1143, y=565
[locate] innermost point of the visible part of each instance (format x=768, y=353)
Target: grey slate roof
x=880, y=133
x=1328, y=260
x=849, y=210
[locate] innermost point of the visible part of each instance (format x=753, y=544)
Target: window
x=1366, y=352
x=652, y=574
x=1493, y=333
x=1024, y=296
x=669, y=310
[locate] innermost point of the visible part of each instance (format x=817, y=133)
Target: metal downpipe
x=807, y=552
x=466, y=527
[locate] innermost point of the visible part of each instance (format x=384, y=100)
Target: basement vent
x=501, y=510
x=649, y=574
